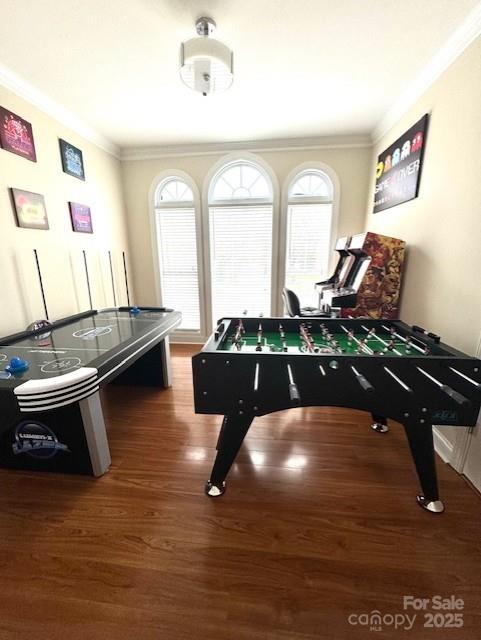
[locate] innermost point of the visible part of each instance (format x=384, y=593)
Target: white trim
x=40, y=406
x=14, y=83
x=336, y=199
x=159, y=178
x=265, y=167
x=442, y=445
x=65, y=381
x=459, y=40
x=216, y=148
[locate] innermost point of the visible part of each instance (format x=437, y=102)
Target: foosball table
x=254, y=366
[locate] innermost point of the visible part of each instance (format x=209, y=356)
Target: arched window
x=177, y=249
x=240, y=200
x=310, y=197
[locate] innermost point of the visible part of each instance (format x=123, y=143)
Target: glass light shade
x=206, y=65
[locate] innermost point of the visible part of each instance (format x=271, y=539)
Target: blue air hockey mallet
x=135, y=310
x=17, y=365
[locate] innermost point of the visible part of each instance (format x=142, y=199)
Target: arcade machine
x=376, y=276
x=369, y=280
x=338, y=278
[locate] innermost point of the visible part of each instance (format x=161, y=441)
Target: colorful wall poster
x=16, y=135
x=398, y=171
x=81, y=217
x=29, y=209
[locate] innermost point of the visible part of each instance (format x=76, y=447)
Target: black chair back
x=291, y=302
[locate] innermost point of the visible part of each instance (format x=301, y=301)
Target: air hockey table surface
x=51, y=416
x=91, y=339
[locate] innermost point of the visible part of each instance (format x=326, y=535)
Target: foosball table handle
x=457, y=397
x=365, y=384
x=294, y=394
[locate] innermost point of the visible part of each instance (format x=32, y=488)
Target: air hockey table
x=51, y=416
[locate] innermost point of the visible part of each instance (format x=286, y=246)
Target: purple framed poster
x=16, y=135
x=398, y=170
x=29, y=209
x=81, y=217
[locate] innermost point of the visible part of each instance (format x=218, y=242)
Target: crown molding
x=459, y=40
x=28, y=92
x=216, y=148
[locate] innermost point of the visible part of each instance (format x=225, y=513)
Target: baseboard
x=444, y=448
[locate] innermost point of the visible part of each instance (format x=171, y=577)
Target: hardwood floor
x=319, y=522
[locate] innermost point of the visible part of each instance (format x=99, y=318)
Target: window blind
x=240, y=258
x=307, y=249
x=178, y=263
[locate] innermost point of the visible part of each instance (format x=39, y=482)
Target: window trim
x=214, y=170
x=286, y=201
x=180, y=335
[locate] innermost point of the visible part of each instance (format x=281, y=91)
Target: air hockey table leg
x=165, y=362
x=420, y=438
x=379, y=423
x=95, y=433
x=234, y=430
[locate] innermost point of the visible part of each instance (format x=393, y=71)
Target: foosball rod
x=380, y=340
x=306, y=338
x=358, y=342
x=463, y=375
x=398, y=335
x=259, y=338
x=40, y=281
x=282, y=337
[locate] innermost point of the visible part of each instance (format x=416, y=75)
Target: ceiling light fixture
x=206, y=65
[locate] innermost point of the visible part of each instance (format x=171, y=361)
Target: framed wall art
x=16, y=135
x=398, y=170
x=81, y=217
x=29, y=209
x=72, y=160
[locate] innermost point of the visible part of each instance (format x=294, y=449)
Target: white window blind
x=308, y=248
x=178, y=263
x=240, y=252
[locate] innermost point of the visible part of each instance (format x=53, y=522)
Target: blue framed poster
x=72, y=160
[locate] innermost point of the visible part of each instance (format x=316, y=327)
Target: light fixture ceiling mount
x=206, y=65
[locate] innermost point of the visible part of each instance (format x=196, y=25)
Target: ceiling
x=302, y=67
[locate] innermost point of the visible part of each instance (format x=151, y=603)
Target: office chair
x=293, y=306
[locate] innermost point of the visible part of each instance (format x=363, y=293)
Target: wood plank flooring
x=319, y=522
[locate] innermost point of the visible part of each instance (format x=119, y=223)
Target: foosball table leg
x=420, y=438
x=231, y=437
x=379, y=423
x=219, y=439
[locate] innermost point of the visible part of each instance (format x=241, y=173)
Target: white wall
x=59, y=249
x=351, y=165
x=442, y=227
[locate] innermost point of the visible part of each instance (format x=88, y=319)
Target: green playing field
x=272, y=342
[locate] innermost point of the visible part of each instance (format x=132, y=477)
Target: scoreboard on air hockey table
x=50, y=378
x=254, y=366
